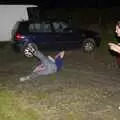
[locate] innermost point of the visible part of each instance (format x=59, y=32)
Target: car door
x=68, y=38
x=65, y=37
x=42, y=34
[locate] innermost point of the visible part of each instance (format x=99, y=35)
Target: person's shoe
x=22, y=79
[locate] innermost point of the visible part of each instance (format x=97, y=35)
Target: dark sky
x=66, y=3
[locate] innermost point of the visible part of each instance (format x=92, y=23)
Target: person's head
x=117, y=30
x=118, y=23
x=62, y=54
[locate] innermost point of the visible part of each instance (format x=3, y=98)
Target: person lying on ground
x=48, y=65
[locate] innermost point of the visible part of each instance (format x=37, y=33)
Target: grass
x=11, y=109
x=3, y=44
x=54, y=107
x=56, y=97
x=69, y=104
x=26, y=107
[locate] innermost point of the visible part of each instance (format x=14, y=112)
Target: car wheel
x=26, y=51
x=88, y=45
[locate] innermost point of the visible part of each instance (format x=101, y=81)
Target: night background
x=72, y=6
x=67, y=3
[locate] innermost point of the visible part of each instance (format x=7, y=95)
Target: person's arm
x=51, y=58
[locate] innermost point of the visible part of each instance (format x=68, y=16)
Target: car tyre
x=88, y=45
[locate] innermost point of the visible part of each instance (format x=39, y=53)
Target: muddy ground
x=88, y=88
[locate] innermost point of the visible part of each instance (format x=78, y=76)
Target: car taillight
x=18, y=36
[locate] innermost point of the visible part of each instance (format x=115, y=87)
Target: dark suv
x=53, y=34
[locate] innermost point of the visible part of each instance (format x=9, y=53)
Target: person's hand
x=110, y=44
x=61, y=54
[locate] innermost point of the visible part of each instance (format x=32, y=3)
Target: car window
x=47, y=27
x=23, y=28
x=40, y=27
x=64, y=25
x=59, y=26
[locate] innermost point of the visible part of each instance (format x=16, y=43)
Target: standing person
x=116, y=47
x=48, y=65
